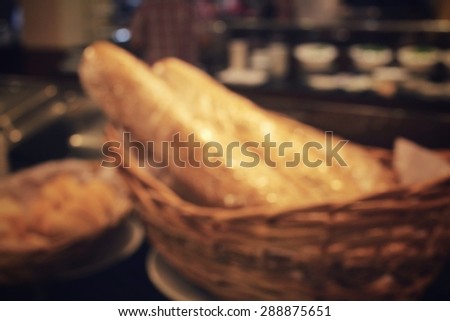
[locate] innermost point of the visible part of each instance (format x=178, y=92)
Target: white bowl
x=316, y=56
x=367, y=57
x=243, y=77
x=418, y=58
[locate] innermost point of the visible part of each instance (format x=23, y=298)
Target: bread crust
x=155, y=103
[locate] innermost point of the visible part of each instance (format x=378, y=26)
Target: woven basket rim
x=169, y=197
x=166, y=195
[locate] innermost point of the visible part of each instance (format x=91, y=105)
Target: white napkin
x=416, y=164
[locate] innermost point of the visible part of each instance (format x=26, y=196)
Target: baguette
x=171, y=98
x=364, y=174
x=137, y=99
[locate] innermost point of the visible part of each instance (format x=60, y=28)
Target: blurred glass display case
x=387, y=78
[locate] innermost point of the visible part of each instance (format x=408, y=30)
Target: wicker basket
x=386, y=246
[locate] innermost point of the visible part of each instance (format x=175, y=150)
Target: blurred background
x=370, y=70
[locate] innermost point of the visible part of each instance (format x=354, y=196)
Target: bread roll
x=155, y=104
x=59, y=203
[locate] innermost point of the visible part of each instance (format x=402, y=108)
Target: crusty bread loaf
x=173, y=97
x=251, y=123
x=59, y=203
x=133, y=96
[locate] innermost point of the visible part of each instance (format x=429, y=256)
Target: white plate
x=111, y=248
x=170, y=283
